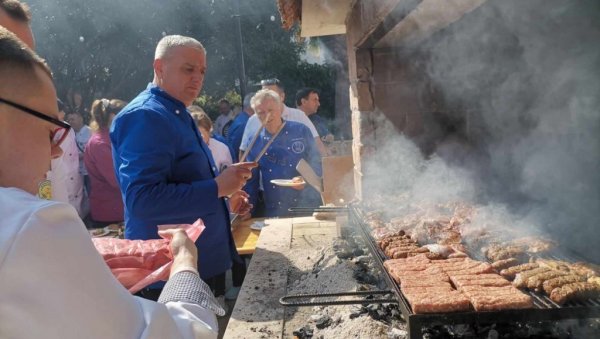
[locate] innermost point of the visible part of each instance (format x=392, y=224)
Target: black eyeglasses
x=270, y=82
x=58, y=135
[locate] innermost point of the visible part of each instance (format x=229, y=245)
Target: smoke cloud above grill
x=522, y=78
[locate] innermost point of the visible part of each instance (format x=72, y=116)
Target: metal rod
x=262, y=152
x=288, y=299
x=318, y=209
x=253, y=141
x=245, y=155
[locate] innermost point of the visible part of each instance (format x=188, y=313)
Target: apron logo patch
x=298, y=147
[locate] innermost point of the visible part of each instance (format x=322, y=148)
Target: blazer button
x=176, y=111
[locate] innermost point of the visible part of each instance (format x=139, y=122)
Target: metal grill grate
x=544, y=308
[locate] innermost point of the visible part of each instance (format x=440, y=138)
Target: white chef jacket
x=220, y=153
x=67, y=182
x=54, y=284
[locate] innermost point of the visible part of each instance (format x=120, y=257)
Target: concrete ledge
x=257, y=312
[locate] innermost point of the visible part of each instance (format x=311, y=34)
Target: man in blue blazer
x=165, y=170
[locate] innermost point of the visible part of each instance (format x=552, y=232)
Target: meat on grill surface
x=501, y=302
x=510, y=272
x=555, y=264
x=522, y=277
x=417, y=290
x=594, y=280
x=496, y=298
x=504, y=263
x=575, y=291
x=586, y=269
x=535, y=282
x=535, y=244
x=489, y=290
x=434, y=302
x=553, y=283
x=500, y=252
x=491, y=279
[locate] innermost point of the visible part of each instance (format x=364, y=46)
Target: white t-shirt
x=221, y=121
x=67, y=182
x=56, y=285
x=220, y=153
x=291, y=114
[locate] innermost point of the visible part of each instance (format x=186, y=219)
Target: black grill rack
x=544, y=308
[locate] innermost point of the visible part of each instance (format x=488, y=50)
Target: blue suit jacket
x=236, y=131
x=166, y=174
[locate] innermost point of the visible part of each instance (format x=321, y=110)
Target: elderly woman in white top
x=219, y=150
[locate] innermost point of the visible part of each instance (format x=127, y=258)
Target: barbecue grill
x=544, y=308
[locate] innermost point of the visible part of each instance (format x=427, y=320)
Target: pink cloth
x=105, y=196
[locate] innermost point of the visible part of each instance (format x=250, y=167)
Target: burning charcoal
x=364, y=277
x=305, y=332
x=342, y=249
x=323, y=322
x=357, y=251
x=375, y=311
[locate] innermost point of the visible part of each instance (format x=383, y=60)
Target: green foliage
x=210, y=104
x=105, y=48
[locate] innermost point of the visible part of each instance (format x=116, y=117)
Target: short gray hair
x=263, y=94
x=248, y=99
x=171, y=41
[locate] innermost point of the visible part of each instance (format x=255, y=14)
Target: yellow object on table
x=245, y=238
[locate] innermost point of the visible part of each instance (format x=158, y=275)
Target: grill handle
x=335, y=209
x=290, y=300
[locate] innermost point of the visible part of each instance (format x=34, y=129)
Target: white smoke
x=528, y=72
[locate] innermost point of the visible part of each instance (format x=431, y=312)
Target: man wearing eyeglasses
x=66, y=185
x=47, y=260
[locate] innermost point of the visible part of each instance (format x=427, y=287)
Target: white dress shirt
x=291, y=114
x=56, y=285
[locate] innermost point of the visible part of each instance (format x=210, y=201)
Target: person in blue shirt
x=291, y=141
x=165, y=170
x=236, y=130
x=307, y=100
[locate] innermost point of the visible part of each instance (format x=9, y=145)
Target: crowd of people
x=155, y=160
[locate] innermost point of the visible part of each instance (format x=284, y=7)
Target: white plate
x=287, y=182
x=98, y=232
x=258, y=225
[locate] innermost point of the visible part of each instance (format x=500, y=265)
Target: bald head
x=15, y=16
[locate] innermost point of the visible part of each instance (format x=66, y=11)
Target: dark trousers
x=238, y=272
x=217, y=284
